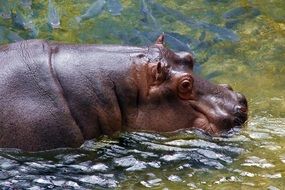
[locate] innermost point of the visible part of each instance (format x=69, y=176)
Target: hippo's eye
x=185, y=88
x=186, y=85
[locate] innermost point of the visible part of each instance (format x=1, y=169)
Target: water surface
x=236, y=42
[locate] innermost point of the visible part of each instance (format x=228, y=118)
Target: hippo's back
x=33, y=112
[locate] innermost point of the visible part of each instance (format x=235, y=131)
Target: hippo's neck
x=97, y=85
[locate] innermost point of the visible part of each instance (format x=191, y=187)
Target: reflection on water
x=235, y=42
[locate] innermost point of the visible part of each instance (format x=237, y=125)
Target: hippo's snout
x=239, y=114
x=240, y=110
x=219, y=107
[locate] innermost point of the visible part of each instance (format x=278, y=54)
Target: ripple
x=228, y=179
x=213, y=155
x=131, y=163
x=108, y=163
x=282, y=158
x=173, y=157
x=270, y=146
x=161, y=147
x=258, y=162
x=7, y=164
x=99, y=167
x=270, y=126
x=126, y=161
x=71, y=184
x=143, y=154
x=104, y=180
x=152, y=182
x=259, y=135
x=43, y=181
x=174, y=178
x=4, y=175
x=199, y=143
x=69, y=158
x=272, y=176
x=244, y=173
x=272, y=188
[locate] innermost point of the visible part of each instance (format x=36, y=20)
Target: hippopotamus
x=56, y=95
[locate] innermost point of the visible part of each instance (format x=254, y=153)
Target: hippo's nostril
x=240, y=114
x=243, y=109
x=240, y=109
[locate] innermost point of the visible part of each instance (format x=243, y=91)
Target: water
x=235, y=42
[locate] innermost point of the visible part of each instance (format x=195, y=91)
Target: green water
x=236, y=42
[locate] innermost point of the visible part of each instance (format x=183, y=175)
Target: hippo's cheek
x=210, y=119
x=202, y=122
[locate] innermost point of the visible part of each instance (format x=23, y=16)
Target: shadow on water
x=235, y=42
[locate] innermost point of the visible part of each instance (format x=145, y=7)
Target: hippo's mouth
x=216, y=120
x=208, y=121
x=203, y=123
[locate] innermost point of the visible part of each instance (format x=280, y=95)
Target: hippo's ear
x=159, y=72
x=186, y=59
x=160, y=40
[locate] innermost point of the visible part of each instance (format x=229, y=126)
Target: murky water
x=235, y=42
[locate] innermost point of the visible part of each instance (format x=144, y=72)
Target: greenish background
x=239, y=42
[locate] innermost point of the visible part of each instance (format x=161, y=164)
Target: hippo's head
x=171, y=97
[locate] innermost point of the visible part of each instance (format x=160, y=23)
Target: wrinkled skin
x=57, y=95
